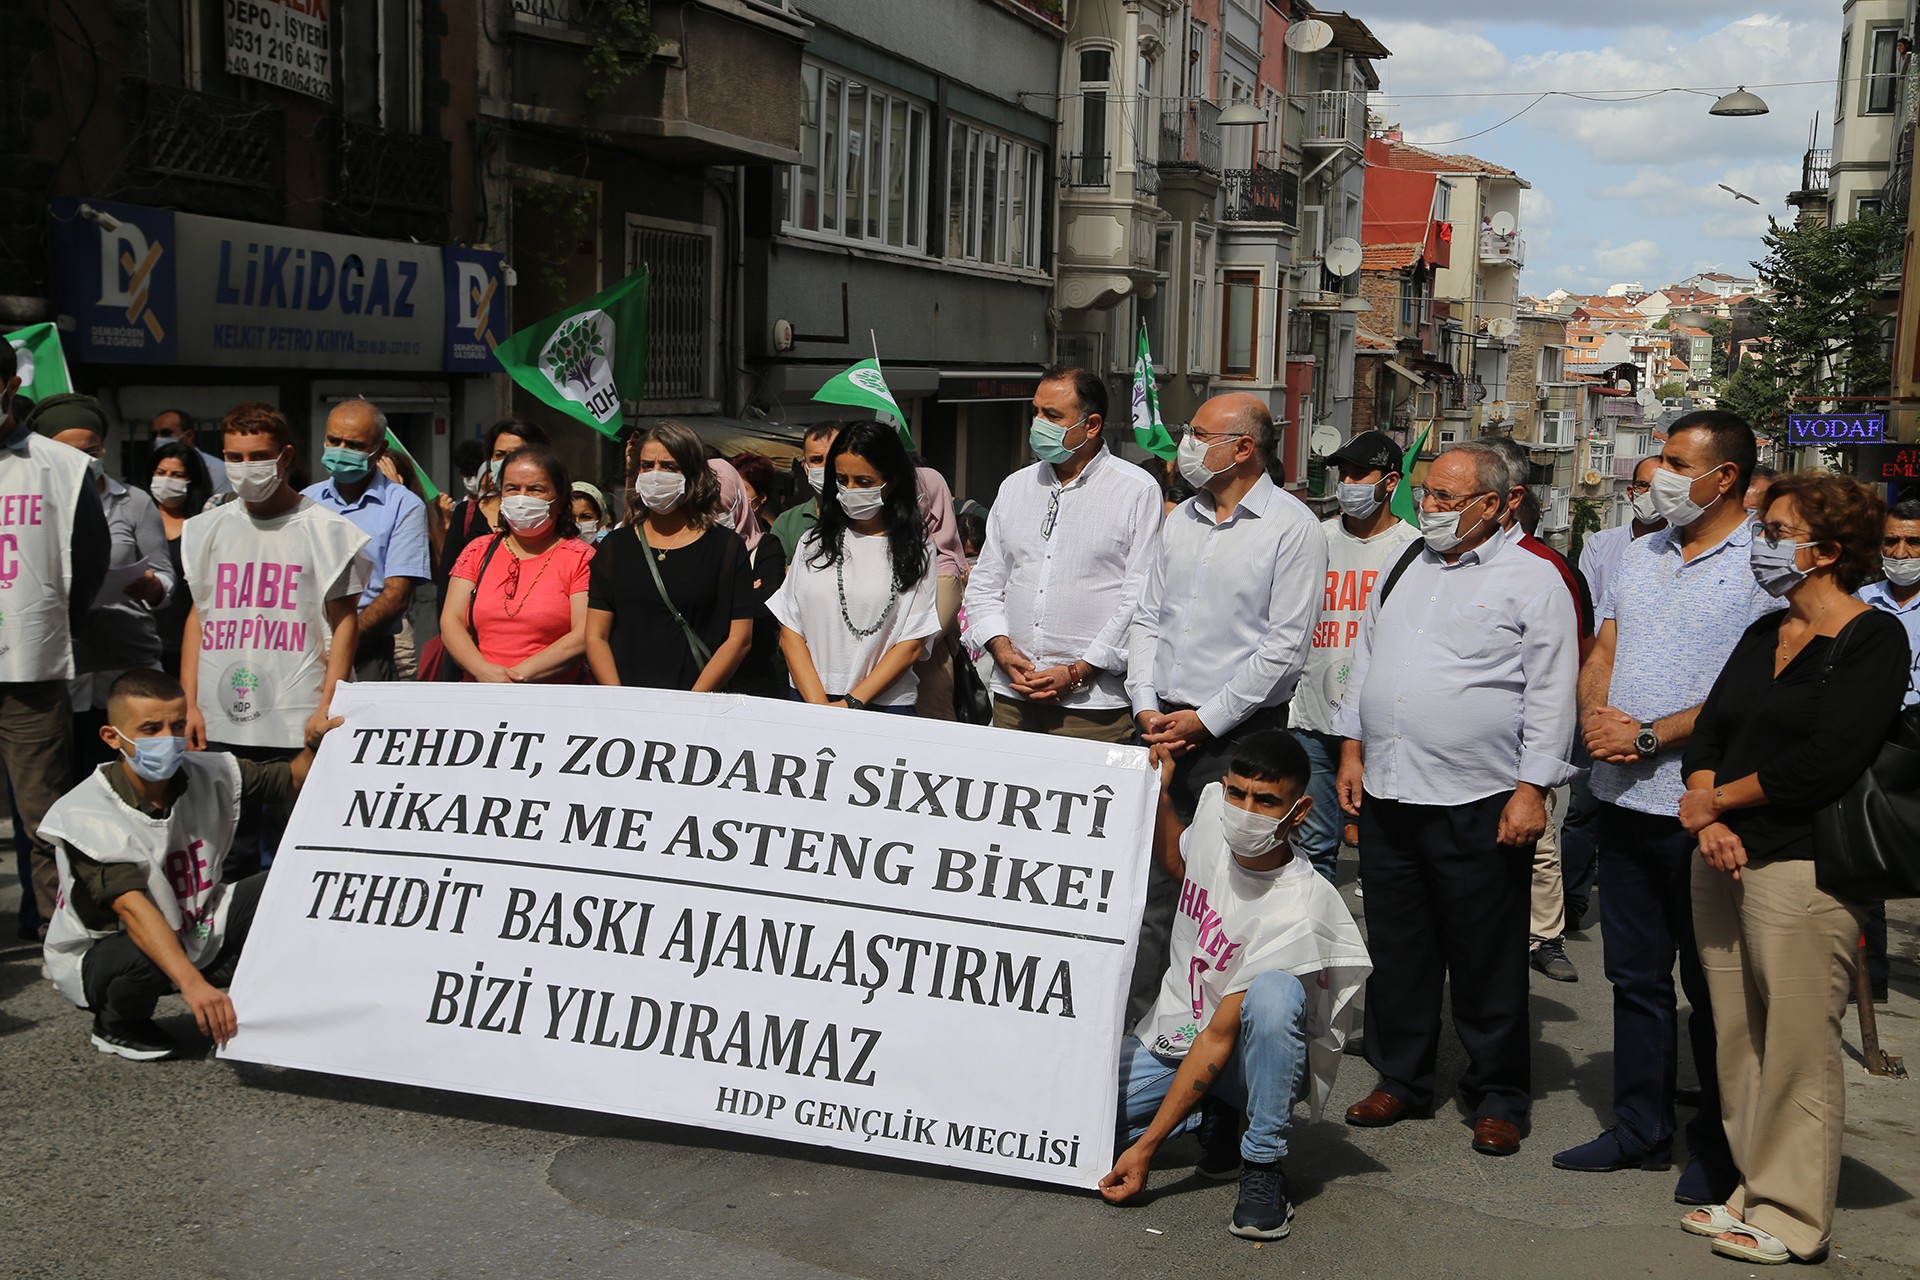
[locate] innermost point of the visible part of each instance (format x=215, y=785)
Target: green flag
x=585, y=360
x=42, y=365
x=1148, y=431
x=865, y=387
x=426, y=483
x=1403, y=492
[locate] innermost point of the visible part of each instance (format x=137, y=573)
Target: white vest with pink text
x=40, y=487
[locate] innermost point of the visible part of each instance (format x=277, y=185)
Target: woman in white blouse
x=858, y=607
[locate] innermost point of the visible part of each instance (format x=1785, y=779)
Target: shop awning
x=738, y=435
x=1406, y=373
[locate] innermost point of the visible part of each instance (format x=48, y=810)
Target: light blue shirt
x=1463, y=678
x=395, y=523
x=1599, y=557
x=1675, y=625
x=1879, y=596
x=1227, y=615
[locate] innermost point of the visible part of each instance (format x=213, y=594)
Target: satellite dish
x=1323, y=440
x=1342, y=256
x=1501, y=327
x=1310, y=36
x=1591, y=478
x=1502, y=223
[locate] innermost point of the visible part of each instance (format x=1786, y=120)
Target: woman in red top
x=523, y=592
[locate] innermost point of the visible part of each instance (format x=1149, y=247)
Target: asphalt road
x=202, y=1168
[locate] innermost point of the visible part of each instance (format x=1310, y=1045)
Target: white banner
x=281, y=42
x=872, y=932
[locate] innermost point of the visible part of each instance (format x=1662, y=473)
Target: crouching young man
x=140, y=843
x=1257, y=1001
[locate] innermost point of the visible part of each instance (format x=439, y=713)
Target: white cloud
x=1625, y=261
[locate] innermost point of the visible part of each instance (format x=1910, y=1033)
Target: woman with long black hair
x=859, y=604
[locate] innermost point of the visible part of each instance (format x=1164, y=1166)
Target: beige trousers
x=1094, y=724
x=1778, y=954
x=935, y=698
x=1549, y=913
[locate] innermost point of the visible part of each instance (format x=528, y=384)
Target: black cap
x=1369, y=451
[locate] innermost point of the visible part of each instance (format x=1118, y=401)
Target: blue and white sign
x=145, y=285
x=1836, y=428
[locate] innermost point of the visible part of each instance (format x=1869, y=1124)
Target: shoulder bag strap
x=485, y=560
x=1839, y=642
x=1407, y=557
x=701, y=653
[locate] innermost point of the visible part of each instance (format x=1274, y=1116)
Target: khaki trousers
x=935, y=698
x=1096, y=724
x=36, y=749
x=1548, y=915
x=1778, y=955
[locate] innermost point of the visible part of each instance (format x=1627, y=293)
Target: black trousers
x=1447, y=904
x=123, y=985
x=1193, y=773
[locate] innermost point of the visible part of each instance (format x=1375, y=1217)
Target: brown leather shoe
x=1377, y=1110
x=1493, y=1137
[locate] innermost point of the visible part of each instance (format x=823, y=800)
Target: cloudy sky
x=1622, y=191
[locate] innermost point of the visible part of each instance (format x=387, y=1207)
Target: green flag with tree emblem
x=42, y=365
x=865, y=387
x=1402, y=503
x=586, y=360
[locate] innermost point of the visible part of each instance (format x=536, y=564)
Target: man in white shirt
x=275, y=578
x=177, y=424
x=1225, y=621
x=1058, y=577
x=1600, y=553
x=1256, y=1007
x=1458, y=723
x=1364, y=542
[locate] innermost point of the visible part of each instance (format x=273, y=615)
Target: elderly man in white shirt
x=1225, y=621
x=1059, y=576
x=1459, y=718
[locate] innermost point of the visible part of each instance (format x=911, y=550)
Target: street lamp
x=1244, y=112
x=1738, y=103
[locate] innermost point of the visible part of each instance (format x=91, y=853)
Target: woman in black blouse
x=676, y=539
x=1779, y=737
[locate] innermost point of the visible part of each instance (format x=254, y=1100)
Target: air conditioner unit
x=1542, y=396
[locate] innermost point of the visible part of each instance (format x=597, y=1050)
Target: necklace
x=507, y=606
x=1786, y=645
x=840, y=585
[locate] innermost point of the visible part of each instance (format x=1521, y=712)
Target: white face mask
x=471, y=484
x=1360, y=501
x=1672, y=496
x=525, y=513
x=1901, y=573
x=1252, y=835
x=817, y=480
x=863, y=504
x=1442, y=530
x=169, y=489
x=1644, y=510
x=661, y=491
x=254, y=481
x=1191, y=458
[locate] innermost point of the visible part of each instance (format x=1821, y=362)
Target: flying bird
x=1737, y=195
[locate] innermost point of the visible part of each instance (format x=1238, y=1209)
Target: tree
x=1722, y=330
x=1827, y=336
x=1670, y=390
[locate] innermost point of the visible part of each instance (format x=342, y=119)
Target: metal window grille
x=679, y=310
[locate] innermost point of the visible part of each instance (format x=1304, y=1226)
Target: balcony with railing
x=1497, y=250
x=390, y=184
x=1260, y=194
x=1190, y=136
x=1816, y=168
x=1086, y=170
x=206, y=153
x=1336, y=118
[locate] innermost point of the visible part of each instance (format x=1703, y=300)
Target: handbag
x=434, y=665
x=701, y=653
x=1866, y=844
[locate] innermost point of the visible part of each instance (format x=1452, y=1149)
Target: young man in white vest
x=144, y=909
x=1255, y=1008
x=276, y=579
x=54, y=548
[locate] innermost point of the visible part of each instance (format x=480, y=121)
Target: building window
x=863, y=162
x=1549, y=365
x=1840, y=88
x=680, y=305
x=1199, y=333
x=1199, y=50
x=1883, y=73
x=384, y=36
x=1239, y=323
x=1155, y=310
x=1867, y=207
x=1090, y=161
x=993, y=197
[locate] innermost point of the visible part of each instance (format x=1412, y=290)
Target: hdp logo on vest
x=575, y=362
x=240, y=694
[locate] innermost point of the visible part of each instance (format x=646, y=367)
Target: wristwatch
x=1646, y=743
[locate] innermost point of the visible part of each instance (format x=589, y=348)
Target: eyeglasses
x=1776, y=533
x=1053, y=513
x=1454, y=501
x=1637, y=488
x=1213, y=437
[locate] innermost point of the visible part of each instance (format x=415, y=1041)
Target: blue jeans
x=1319, y=835
x=1646, y=922
x=1266, y=1075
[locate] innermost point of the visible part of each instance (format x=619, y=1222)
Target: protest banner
x=897, y=936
